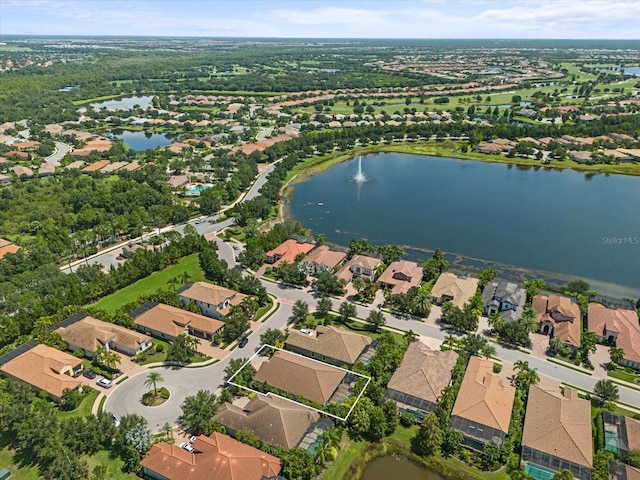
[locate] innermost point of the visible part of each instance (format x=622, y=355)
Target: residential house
x=43, y=367
x=360, y=266
x=324, y=258
x=579, y=155
x=622, y=471
x=295, y=374
x=19, y=170
x=557, y=432
x=400, y=276
x=482, y=411
x=5, y=180
x=332, y=345
x=622, y=433
x=215, y=457
x=289, y=251
x=505, y=298
x=8, y=248
x=619, y=327
x=167, y=322
x=486, y=147
x=418, y=382
x=558, y=317
x=274, y=420
x=178, y=181
x=46, y=170
x=77, y=165
x=214, y=301
x=96, y=166
x=89, y=334
x=451, y=288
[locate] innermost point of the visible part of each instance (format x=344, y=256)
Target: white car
x=187, y=447
x=193, y=439
x=104, y=382
x=306, y=331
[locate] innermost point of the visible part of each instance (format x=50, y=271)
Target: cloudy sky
x=590, y=19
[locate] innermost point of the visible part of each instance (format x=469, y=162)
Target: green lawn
x=622, y=375
x=152, y=283
x=20, y=466
x=114, y=466
x=84, y=409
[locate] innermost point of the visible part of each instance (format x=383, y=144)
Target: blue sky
x=591, y=19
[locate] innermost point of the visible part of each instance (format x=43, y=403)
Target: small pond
x=393, y=466
x=142, y=140
x=126, y=103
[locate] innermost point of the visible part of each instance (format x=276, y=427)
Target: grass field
x=113, y=465
x=155, y=281
x=20, y=466
x=84, y=409
x=622, y=375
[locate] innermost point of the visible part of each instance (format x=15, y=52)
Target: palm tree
x=616, y=354
x=153, y=379
x=250, y=305
x=111, y=359
x=422, y=303
x=525, y=375
x=185, y=277
x=173, y=281
x=557, y=345
x=410, y=336
x=495, y=321
x=451, y=343
x=359, y=284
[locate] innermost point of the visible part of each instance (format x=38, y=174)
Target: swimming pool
x=539, y=473
x=197, y=190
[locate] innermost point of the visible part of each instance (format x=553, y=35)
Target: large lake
x=125, y=103
x=142, y=140
x=580, y=225
x=384, y=468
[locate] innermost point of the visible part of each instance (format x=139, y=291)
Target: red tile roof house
x=214, y=301
x=617, y=327
x=558, y=317
x=400, y=276
x=218, y=457
x=288, y=251
x=43, y=367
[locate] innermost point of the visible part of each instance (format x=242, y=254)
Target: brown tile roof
x=46, y=169
x=336, y=343
x=20, y=170
x=461, y=289
x=484, y=396
x=559, y=425
x=219, y=457
x=131, y=166
x=91, y=333
x=45, y=368
x=313, y=380
x=423, y=372
x=403, y=275
x=323, y=255
x=632, y=473
x=567, y=330
x=178, y=181
x=8, y=249
x=633, y=433
x=363, y=261
x=211, y=294
x=623, y=321
x=4, y=243
x=77, y=164
x=273, y=419
x=174, y=321
x=289, y=250
x=94, y=167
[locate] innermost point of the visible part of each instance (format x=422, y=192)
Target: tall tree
x=153, y=379
x=428, y=440
x=198, y=411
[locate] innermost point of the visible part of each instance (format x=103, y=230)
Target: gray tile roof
x=499, y=293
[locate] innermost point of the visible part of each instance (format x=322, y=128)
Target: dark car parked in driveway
x=89, y=374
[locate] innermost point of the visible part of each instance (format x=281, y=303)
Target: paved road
x=61, y=150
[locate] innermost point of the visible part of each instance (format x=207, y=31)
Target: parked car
x=200, y=220
x=306, y=331
x=193, y=439
x=187, y=447
x=116, y=420
x=104, y=382
x=243, y=342
x=236, y=247
x=89, y=374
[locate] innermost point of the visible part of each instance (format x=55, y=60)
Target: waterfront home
x=217, y=456
x=451, y=288
x=482, y=411
x=505, y=298
x=400, y=276
x=360, y=266
x=324, y=258
x=558, y=317
x=289, y=251
x=557, y=432
x=43, y=367
x=619, y=327
x=167, y=322
x=89, y=334
x=417, y=384
x=308, y=378
x=332, y=345
x=274, y=420
x=214, y=301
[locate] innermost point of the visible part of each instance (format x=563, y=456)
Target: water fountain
x=359, y=177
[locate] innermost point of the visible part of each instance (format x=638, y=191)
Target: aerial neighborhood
x=166, y=312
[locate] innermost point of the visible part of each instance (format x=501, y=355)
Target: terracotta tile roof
x=289, y=250
x=402, y=275
x=77, y=164
x=323, y=255
x=20, y=170
x=623, y=321
x=567, y=330
x=178, y=181
x=94, y=167
x=46, y=169
x=450, y=285
x=423, y=372
x=45, y=368
x=633, y=433
x=174, y=321
x=484, y=396
x=313, y=380
x=210, y=293
x=336, y=343
x=91, y=333
x=559, y=425
x=274, y=420
x=8, y=249
x=218, y=457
